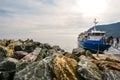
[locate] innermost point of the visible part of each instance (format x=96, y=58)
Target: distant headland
x=111, y=29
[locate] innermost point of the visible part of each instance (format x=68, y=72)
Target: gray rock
x=88, y=70
x=69, y=55
x=28, y=58
x=37, y=44
x=89, y=54
x=19, y=54
x=110, y=68
x=56, y=47
x=28, y=47
x=7, y=70
x=41, y=70
x=111, y=74
x=42, y=54
x=3, y=52
x=46, y=46
x=7, y=75
x=45, y=53
x=21, y=66
x=36, y=51
x=13, y=60
x=7, y=66
x=78, y=51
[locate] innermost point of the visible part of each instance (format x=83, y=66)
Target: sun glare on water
x=92, y=7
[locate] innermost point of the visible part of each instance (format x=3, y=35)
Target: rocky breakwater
x=31, y=60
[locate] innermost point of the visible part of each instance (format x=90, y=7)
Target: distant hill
x=111, y=29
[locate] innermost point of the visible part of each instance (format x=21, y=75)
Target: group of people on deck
x=114, y=42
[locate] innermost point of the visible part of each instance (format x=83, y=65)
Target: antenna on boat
x=95, y=22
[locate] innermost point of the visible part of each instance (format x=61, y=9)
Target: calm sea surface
x=65, y=38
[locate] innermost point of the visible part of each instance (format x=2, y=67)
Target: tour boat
x=94, y=40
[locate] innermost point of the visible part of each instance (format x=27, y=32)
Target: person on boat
x=117, y=43
x=110, y=40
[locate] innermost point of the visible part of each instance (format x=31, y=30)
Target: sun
x=92, y=7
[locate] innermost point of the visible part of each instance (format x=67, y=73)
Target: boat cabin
x=96, y=35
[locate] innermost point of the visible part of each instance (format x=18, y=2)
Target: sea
x=65, y=38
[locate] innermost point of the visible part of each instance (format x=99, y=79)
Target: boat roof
x=96, y=31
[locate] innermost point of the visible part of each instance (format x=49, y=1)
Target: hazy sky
x=50, y=14
x=48, y=17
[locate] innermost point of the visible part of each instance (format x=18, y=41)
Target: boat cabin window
x=96, y=34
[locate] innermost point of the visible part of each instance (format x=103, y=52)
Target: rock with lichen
x=78, y=51
x=64, y=68
x=40, y=70
x=88, y=70
x=2, y=42
x=19, y=54
x=7, y=69
x=45, y=53
x=27, y=46
x=109, y=67
x=28, y=58
x=3, y=52
x=69, y=55
x=109, y=74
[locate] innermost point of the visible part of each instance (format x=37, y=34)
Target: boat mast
x=95, y=23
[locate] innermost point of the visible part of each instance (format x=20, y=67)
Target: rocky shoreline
x=31, y=60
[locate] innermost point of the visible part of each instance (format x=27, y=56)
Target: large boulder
x=69, y=55
x=7, y=75
x=109, y=67
x=56, y=47
x=45, y=53
x=3, y=52
x=21, y=66
x=64, y=68
x=28, y=47
x=28, y=58
x=42, y=54
x=7, y=65
x=78, y=51
x=109, y=74
x=45, y=46
x=41, y=70
x=2, y=42
x=7, y=69
x=88, y=70
x=19, y=54
x=13, y=60
x=10, y=52
x=10, y=44
x=36, y=51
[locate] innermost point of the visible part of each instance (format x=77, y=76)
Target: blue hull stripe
x=94, y=45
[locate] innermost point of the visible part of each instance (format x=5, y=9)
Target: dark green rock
x=40, y=70
x=3, y=52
